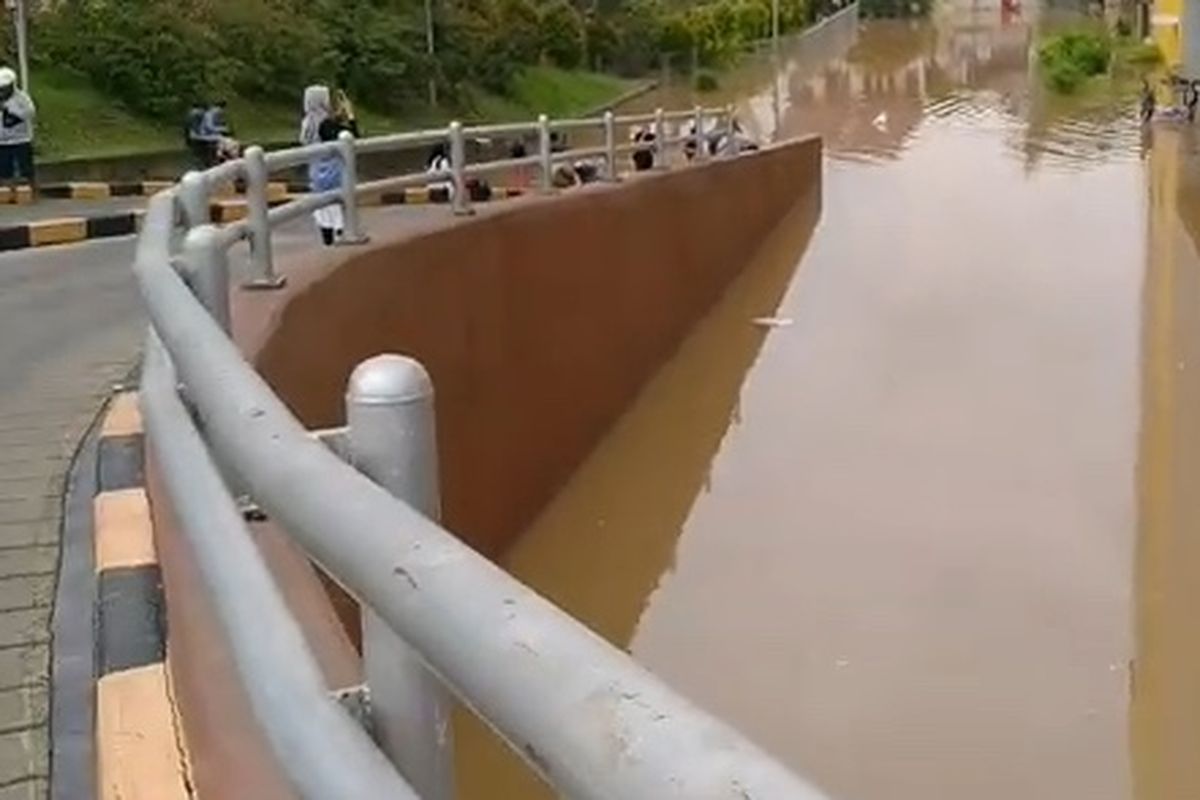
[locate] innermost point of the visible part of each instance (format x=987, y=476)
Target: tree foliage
x=158, y=56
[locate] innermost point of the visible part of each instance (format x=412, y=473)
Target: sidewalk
x=70, y=321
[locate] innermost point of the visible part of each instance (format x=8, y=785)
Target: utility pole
x=429, y=48
x=20, y=26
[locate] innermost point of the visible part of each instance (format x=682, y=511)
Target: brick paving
x=69, y=326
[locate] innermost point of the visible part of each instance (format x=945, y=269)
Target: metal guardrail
x=363, y=503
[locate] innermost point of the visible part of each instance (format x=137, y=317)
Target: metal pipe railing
x=561, y=697
x=324, y=752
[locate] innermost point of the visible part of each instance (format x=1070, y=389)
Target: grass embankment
x=77, y=121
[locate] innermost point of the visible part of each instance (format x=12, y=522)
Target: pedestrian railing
x=362, y=501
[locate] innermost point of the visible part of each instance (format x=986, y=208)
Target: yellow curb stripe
x=90, y=191
x=124, y=534
x=138, y=747
x=154, y=187
x=124, y=418
x=416, y=196
x=57, y=231
x=228, y=210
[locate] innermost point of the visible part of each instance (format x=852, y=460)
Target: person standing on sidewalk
x=17, y=114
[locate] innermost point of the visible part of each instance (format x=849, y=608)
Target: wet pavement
x=930, y=534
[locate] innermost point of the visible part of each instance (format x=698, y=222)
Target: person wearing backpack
x=17, y=117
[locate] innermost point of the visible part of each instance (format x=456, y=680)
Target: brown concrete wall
x=538, y=322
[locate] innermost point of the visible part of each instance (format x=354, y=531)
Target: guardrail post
x=544, y=153
x=391, y=436
x=193, y=199
x=262, y=263
x=660, y=140
x=729, y=144
x=461, y=201
x=352, y=233
x=610, y=146
x=206, y=271
x=699, y=139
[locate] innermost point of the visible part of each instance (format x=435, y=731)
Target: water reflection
x=909, y=570
x=1165, y=713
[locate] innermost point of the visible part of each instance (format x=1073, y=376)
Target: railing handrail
x=581, y=712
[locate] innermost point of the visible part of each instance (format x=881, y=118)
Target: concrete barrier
x=538, y=322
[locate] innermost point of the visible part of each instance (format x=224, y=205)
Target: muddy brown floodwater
x=934, y=534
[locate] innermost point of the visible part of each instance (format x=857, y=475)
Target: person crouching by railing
x=437, y=167
x=643, y=157
x=17, y=115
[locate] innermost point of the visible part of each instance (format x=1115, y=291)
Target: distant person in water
x=17, y=115
x=1148, y=102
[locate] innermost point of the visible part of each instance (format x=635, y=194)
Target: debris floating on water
x=772, y=322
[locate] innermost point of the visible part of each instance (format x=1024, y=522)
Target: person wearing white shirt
x=17, y=115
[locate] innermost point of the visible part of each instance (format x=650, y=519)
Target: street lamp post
x=429, y=48
x=20, y=26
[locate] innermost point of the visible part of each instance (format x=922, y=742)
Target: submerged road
x=928, y=533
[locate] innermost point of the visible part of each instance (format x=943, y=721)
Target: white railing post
x=610, y=146
x=461, y=199
x=390, y=419
x=206, y=271
x=660, y=140
x=262, y=264
x=193, y=199
x=730, y=131
x=544, y=153
x=699, y=139
x=353, y=232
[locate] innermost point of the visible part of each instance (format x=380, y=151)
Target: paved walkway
x=69, y=327
x=71, y=323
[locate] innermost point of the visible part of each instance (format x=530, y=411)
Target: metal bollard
x=660, y=140
x=193, y=199
x=353, y=233
x=262, y=264
x=391, y=437
x=698, y=134
x=610, y=146
x=461, y=200
x=547, y=158
x=206, y=270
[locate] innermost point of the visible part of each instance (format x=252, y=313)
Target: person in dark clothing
x=1191, y=99
x=643, y=157
x=1147, y=101
x=192, y=126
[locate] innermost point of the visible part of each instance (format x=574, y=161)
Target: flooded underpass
x=911, y=506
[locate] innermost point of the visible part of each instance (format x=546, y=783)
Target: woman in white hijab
x=325, y=173
x=318, y=107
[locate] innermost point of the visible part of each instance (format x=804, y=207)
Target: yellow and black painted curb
x=67, y=230
x=87, y=190
x=139, y=751
x=64, y=230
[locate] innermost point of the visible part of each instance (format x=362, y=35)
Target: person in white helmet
x=17, y=114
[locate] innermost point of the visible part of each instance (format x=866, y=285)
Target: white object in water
x=773, y=322
x=880, y=121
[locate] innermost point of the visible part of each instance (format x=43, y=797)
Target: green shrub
x=1069, y=59
x=706, y=81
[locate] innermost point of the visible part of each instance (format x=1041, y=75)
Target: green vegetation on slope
x=76, y=120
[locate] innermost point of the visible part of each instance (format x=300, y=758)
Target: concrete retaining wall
x=538, y=322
